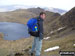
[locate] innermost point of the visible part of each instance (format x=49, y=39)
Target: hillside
x=19, y=16
x=68, y=18
x=64, y=23
x=21, y=46
x=50, y=22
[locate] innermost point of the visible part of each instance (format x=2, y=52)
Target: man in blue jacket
x=37, y=44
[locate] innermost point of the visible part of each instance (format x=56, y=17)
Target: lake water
x=13, y=31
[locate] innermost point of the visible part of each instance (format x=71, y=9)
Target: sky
x=62, y=4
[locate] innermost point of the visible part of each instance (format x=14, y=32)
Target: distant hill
x=36, y=10
x=23, y=15
x=20, y=16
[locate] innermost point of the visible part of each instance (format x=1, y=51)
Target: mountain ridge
x=14, y=7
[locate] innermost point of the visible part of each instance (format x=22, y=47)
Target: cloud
x=63, y=4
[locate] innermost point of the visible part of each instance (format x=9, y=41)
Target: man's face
x=43, y=16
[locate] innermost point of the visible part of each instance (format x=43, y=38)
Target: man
x=37, y=44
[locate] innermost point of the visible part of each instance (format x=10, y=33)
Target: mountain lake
x=13, y=31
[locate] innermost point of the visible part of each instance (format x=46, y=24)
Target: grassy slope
x=7, y=47
x=19, y=16
x=65, y=44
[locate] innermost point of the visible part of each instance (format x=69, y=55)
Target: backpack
x=33, y=27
